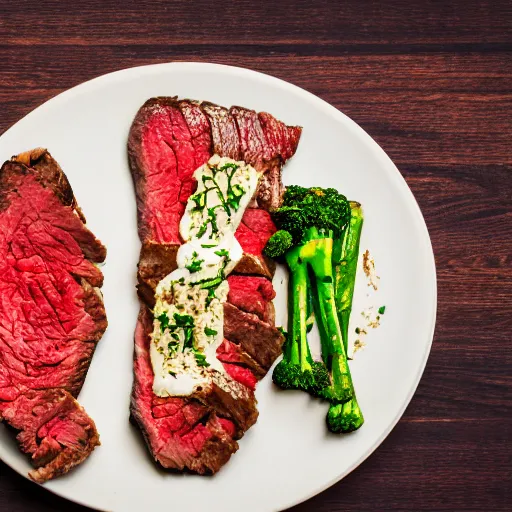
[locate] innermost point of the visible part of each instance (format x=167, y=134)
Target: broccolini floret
x=278, y=244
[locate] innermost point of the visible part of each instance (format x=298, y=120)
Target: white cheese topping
x=189, y=312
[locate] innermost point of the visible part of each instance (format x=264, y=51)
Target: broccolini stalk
x=345, y=264
x=297, y=370
x=310, y=319
x=317, y=252
x=348, y=416
x=299, y=349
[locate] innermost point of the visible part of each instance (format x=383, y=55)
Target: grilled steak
x=168, y=141
x=51, y=313
x=184, y=432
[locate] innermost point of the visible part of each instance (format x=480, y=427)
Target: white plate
x=288, y=456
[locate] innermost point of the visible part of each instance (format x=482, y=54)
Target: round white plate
x=288, y=456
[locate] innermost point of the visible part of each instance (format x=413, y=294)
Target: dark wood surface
x=431, y=81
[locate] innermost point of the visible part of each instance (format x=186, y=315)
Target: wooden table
x=432, y=83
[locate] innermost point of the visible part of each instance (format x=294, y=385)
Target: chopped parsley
x=164, y=321
x=210, y=297
x=227, y=166
x=183, y=320
x=200, y=358
x=382, y=309
x=195, y=264
x=222, y=253
x=210, y=332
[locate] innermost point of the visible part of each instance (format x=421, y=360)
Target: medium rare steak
x=51, y=313
x=252, y=294
x=184, y=432
x=169, y=139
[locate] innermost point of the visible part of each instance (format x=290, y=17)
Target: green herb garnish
x=195, y=264
x=210, y=297
x=222, y=252
x=210, y=332
x=200, y=358
x=382, y=309
x=183, y=320
x=164, y=321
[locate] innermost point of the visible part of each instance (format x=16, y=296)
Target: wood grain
x=432, y=83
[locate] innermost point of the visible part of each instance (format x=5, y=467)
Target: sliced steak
x=253, y=295
x=232, y=354
x=262, y=341
x=168, y=140
x=226, y=141
x=51, y=312
x=54, y=430
x=266, y=143
x=252, y=234
x=182, y=432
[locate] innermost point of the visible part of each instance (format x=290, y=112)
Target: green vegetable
x=210, y=332
x=310, y=320
x=314, y=217
x=278, y=244
x=382, y=310
x=344, y=418
x=347, y=417
x=297, y=370
x=345, y=265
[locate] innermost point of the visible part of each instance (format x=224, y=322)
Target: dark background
x=431, y=81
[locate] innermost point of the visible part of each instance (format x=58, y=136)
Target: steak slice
x=253, y=234
x=226, y=141
x=267, y=144
x=51, y=313
x=240, y=365
x=54, y=430
x=253, y=295
x=262, y=341
x=184, y=432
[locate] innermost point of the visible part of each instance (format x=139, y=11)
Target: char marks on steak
x=168, y=141
x=51, y=313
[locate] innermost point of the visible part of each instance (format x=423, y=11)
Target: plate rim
x=390, y=168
